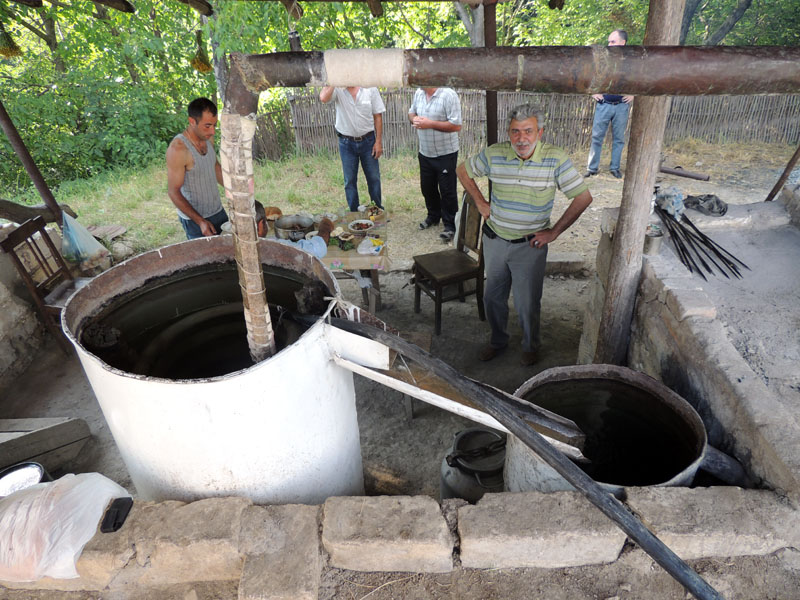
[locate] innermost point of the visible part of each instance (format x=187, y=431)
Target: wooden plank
x=30, y=424
x=44, y=440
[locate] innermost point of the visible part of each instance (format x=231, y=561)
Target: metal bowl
x=293, y=227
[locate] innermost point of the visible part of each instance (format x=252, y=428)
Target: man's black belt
x=491, y=234
x=360, y=138
x=607, y=102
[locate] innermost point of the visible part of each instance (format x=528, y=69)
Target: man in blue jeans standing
x=611, y=109
x=359, y=126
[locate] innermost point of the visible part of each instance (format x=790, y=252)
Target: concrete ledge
x=718, y=521
x=387, y=533
x=281, y=544
x=532, y=529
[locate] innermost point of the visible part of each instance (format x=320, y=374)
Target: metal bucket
x=639, y=432
x=281, y=431
x=474, y=465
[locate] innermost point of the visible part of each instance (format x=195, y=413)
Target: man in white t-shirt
x=359, y=125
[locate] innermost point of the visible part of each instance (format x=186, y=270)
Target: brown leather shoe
x=529, y=358
x=489, y=352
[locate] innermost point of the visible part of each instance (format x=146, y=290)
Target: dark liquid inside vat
x=189, y=325
x=632, y=437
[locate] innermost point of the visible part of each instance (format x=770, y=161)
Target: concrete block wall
x=676, y=339
x=229, y=548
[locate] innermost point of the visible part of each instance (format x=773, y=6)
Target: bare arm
x=377, y=149
x=326, y=94
x=574, y=210
x=473, y=190
x=177, y=160
x=218, y=171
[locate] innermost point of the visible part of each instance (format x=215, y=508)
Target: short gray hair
x=526, y=111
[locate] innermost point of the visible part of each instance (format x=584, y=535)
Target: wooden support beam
x=644, y=154
x=19, y=213
x=201, y=6
x=27, y=161
x=120, y=5
x=52, y=442
x=784, y=176
x=637, y=70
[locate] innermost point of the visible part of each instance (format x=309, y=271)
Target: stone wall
x=229, y=548
x=676, y=338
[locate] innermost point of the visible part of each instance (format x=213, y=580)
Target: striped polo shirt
x=523, y=190
x=444, y=105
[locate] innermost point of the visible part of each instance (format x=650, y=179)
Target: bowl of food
x=360, y=226
x=293, y=227
x=373, y=211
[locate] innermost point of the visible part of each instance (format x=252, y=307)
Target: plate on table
x=360, y=226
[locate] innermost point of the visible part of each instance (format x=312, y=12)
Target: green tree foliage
x=106, y=88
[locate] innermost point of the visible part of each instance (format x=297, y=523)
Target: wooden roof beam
x=375, y=8
x=120, y=5
x=201, y=6
x=31, y=3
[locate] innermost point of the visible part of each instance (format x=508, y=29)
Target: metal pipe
x=637, y=70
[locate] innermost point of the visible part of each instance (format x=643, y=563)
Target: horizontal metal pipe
x=636, y=70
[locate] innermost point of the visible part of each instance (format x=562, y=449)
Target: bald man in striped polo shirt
x=524, y=173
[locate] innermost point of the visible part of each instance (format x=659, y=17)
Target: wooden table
x=341, y=262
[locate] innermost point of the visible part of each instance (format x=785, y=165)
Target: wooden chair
x=45, y=274
x=435, y=272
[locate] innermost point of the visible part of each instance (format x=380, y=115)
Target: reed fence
x=307, y=127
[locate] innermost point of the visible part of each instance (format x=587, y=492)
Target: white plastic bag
x=44, y=528
x=78, y=245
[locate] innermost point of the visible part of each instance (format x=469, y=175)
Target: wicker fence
x=307, y=127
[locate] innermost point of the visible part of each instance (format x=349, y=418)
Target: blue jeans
x=617, y=116
x=352, y=153
x=192, y=229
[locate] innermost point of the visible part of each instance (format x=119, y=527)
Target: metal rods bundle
x=698, y=251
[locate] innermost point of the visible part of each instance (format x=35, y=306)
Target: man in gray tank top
x=193, y=173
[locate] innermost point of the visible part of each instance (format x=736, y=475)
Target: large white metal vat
x=281, y=431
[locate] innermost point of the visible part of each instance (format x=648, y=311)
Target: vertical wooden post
x=647, y=135
x=236, y=159
x=27, y=161
x=490, y=41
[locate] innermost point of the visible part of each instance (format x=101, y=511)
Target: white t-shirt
x=354, y=117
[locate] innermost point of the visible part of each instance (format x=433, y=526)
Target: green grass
x=137, y=199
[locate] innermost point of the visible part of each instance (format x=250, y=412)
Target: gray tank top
x=200, y=186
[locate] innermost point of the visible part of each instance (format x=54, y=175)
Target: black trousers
x=437, y=181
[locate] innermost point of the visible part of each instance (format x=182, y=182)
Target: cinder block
x=387, y=533
x=532, y=529
x=717, y=521
x=689, y=303
x=179, y=543
x=281, y=544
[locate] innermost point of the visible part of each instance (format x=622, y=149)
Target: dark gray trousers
x=519, y=269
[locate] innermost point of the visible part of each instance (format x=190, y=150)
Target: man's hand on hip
x=542, y=238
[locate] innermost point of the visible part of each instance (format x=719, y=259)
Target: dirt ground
x=403, y=456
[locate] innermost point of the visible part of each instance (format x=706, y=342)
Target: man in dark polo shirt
x=611, y=109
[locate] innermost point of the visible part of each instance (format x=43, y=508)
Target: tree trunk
x=688, y=17
x=729, y=23
x=472, y=18
x=647, y=135
x=221, y=68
